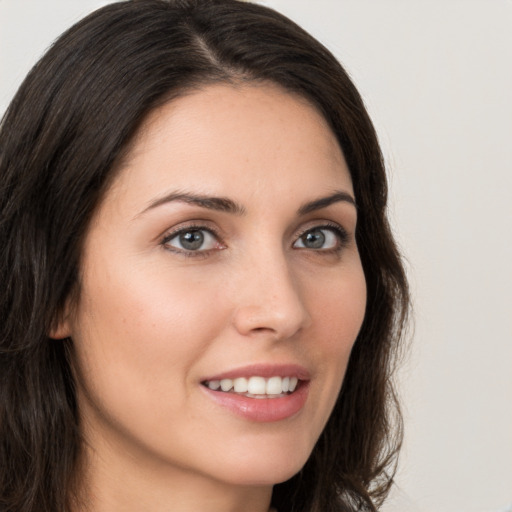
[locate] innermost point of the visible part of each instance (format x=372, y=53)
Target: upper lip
x=263, y=370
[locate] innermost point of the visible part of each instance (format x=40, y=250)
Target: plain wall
x=437, y=78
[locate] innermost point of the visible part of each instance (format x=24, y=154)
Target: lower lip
x=262, y=409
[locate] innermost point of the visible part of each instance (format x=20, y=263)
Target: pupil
x=314, y=239
x=192, y=240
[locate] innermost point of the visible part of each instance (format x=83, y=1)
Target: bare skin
x=210, y=253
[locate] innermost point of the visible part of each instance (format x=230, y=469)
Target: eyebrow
x=324, y=202
x=224, y=204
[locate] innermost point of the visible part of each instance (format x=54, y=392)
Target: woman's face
x=222, y=255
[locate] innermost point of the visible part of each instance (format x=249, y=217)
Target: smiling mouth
x=255, y=387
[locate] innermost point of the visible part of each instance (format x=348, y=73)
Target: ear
x=61, y=325
x=60, y=330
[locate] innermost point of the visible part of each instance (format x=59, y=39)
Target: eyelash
x=340, y=233
x=186, y=229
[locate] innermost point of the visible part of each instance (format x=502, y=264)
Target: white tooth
x=226, y=384
x=214, y=384
x=274, y=386
x=286, y=384
x=293, y=383
x=256, y=386
x=240, y=385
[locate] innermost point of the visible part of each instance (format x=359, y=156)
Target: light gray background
x=437, y=78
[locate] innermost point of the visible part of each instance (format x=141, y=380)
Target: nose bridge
x=270, y=295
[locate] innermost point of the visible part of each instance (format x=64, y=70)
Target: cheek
x=139, y=322
x=339, y=309
x=137, y=335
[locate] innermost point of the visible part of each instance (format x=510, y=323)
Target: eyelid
x=341, y=233
x=191, y=226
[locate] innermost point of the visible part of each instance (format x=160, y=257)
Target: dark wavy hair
x=61, y=141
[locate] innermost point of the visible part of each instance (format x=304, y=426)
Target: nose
x=269, y=299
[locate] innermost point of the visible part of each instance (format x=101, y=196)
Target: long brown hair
x=69, y=124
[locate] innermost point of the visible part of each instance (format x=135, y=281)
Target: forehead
x=246, y=137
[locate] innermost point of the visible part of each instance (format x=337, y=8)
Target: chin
x=265, y=467
x=268, y=477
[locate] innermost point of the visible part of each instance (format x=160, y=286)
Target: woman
x=202, y=299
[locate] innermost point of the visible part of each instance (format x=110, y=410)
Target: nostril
x=280, y=316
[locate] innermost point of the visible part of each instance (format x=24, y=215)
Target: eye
x=322, y=238
x=192, y=239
